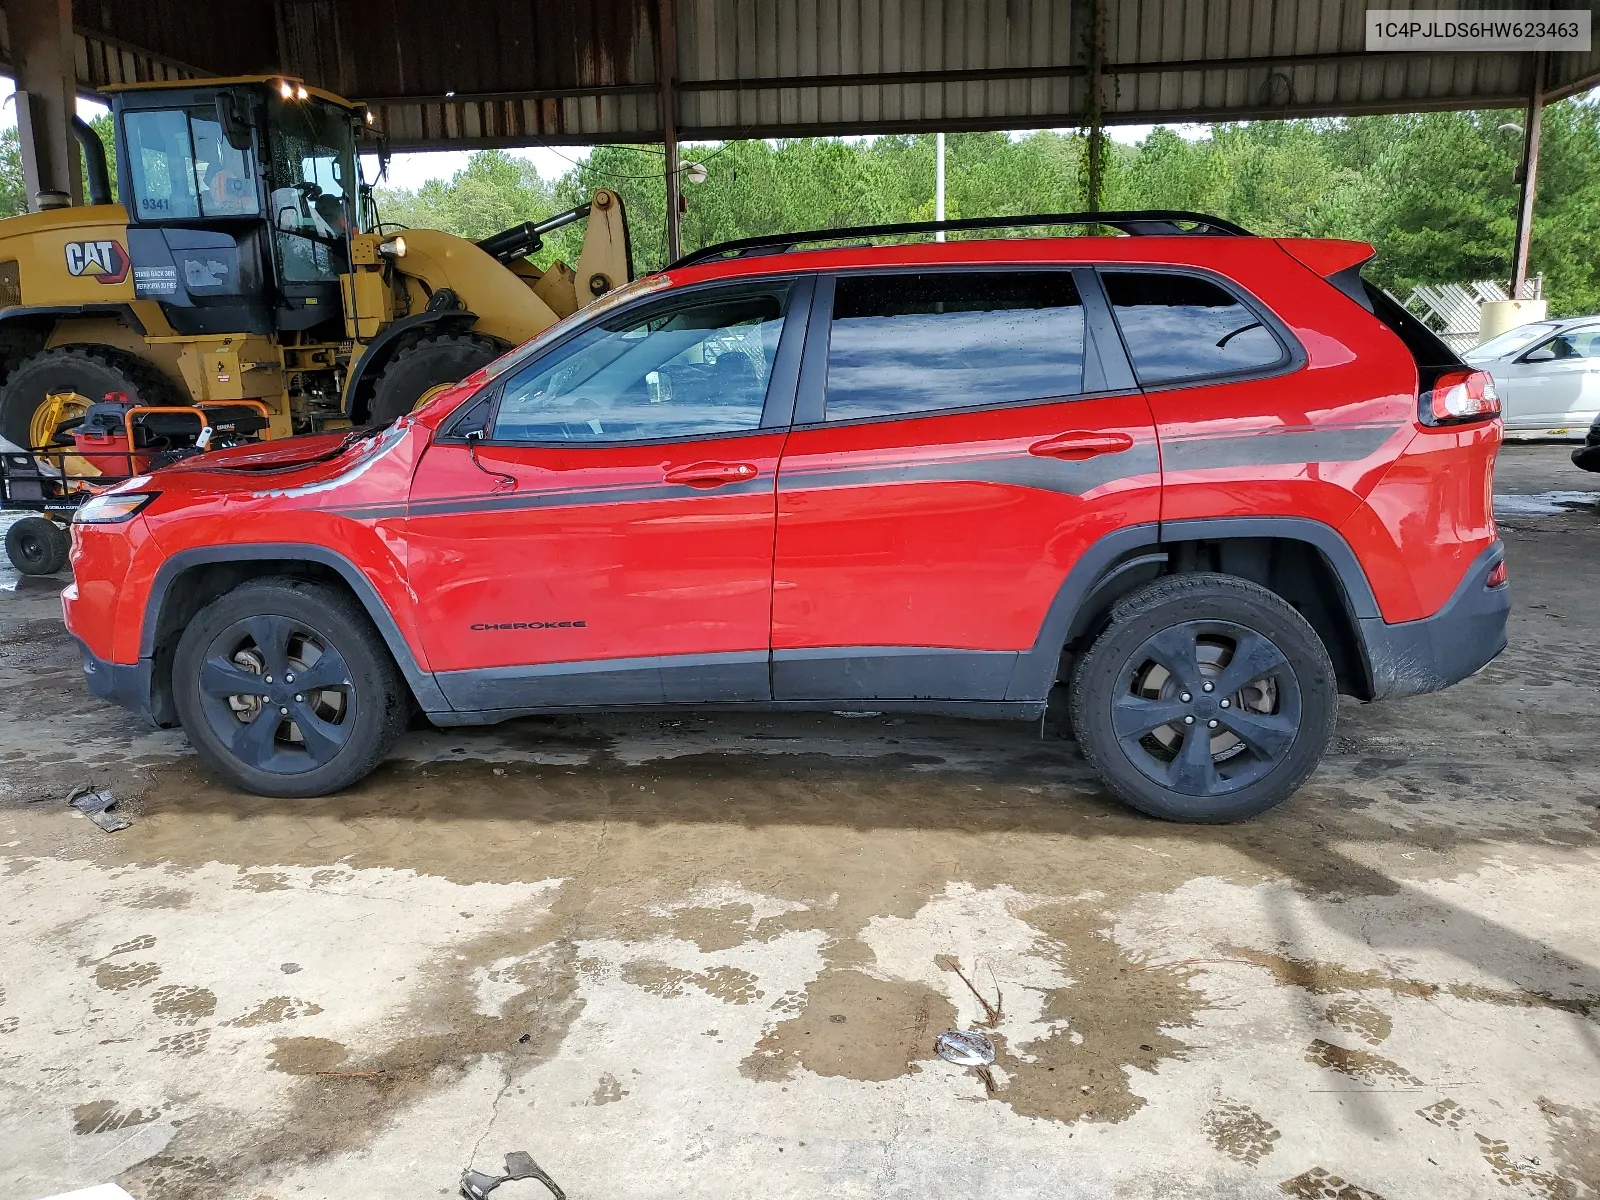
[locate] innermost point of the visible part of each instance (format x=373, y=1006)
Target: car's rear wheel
x=1206, y=699
x=285, y=688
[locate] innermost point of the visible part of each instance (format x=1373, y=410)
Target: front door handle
x=712, y=474
x=1079, y=444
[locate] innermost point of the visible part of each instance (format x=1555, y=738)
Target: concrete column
x=47, y=96
x=667, y=68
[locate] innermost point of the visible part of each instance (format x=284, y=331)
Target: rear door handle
x=1080, y=444
x=712, y=474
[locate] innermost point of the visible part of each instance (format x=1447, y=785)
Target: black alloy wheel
x=1211, y=707
x=278, y=694
x=286, y=689
x=1207, y=698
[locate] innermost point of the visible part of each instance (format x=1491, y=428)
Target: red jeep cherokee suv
x=1209, y=480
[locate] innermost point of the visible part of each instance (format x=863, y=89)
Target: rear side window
x=1180, y=327
x=924, y=342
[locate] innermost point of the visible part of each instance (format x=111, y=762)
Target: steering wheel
x=575, y=418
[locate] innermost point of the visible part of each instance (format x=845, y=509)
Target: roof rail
x=1152, y=222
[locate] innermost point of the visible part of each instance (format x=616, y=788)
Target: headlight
x=112, y=508
x=394, y=247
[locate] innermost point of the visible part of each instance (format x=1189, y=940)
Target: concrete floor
x=676, y=956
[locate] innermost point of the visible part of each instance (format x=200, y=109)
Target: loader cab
x=242, y=197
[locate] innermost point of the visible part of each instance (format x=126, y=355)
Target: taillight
x=1458, y=396
x=1497, y=575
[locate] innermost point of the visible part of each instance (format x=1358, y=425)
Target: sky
x=411, y=171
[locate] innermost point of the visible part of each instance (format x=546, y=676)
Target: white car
x=1547, y=374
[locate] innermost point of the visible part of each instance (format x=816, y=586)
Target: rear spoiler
x=1337, y=261
x=1340, y=263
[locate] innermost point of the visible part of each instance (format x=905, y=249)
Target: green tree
x=1433, y=192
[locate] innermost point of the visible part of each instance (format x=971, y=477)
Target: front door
x=609, y=540
x=961, y=437
x=1555, y=385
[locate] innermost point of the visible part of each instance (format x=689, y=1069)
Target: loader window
x=311, y=172
x=184, y=169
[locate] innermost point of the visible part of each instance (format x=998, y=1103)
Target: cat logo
x=105, y=261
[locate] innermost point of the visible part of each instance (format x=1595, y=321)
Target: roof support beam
x=667, y=68
x=1528, y=174
x=47, y=97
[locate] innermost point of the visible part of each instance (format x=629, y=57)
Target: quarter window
x=923, y=342
x=1180, y=327
x=692, y=371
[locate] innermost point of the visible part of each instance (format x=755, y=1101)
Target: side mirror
x=235, y=127
x=1542, y=354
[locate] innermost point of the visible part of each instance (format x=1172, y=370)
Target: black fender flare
x=422, y=684
x=364, y=374
x=1035, y=670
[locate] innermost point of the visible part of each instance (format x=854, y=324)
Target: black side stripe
x=1273, y=447
x=1350, y=443
x=1013, y=470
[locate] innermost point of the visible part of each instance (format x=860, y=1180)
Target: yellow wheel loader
x=244, y=262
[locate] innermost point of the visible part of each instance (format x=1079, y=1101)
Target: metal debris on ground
x=965, y=1048
x=97, y=806
x=475, y=1185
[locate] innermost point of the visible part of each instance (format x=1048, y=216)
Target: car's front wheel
x=285, y=688
x=1206, y=699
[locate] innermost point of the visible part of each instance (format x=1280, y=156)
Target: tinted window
x=1180, y=327
x=183, y=167
x=915, y=343
x=681, y=373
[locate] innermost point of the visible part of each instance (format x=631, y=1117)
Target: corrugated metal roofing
x=507, y=72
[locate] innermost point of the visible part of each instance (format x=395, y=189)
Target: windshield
x=1513, y=340
x=313, y=186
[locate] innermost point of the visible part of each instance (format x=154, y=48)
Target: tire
x=89, y=370
x=261, y=630
x=37, y=546
x=431, y=361
x=1176, y=638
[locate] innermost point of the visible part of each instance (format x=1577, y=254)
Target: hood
x=281, y=455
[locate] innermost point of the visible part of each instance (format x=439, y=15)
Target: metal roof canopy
x=480, y=73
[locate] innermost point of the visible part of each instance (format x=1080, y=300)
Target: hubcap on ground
x=1207, y=707
x=278, y=694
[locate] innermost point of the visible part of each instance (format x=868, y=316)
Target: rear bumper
x=1413, y=657
x=120, y=683
x=1587, y=457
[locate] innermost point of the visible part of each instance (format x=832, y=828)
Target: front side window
x=691, y=371
x=312, y=186
x=1179, y=327
x=919, y=343
x=1576, y=343
x=183, y=168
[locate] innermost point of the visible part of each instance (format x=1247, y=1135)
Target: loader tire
x=89, y=370
x=431, y=361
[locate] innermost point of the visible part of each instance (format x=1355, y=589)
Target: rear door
x=961, y=436
x=609, y=540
